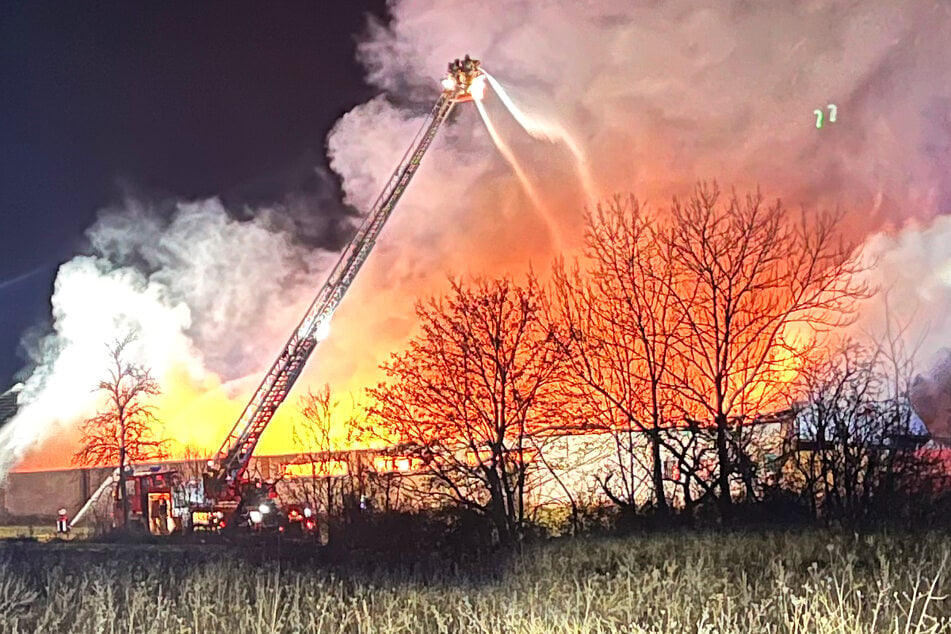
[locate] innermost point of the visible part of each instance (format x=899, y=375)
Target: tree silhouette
x=858, y=444
x=334, y=478
x=618, y=320
x=123, y=430
x=470, y=388
x=754, y=285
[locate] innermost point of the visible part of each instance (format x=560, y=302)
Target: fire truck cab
x=149, y=492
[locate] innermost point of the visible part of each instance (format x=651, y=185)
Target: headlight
x=264, y=509
x=255, y=517
x=323, y=330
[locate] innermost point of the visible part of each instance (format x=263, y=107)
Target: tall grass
x=776, y=582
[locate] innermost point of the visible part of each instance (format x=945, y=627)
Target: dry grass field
x=704, y=583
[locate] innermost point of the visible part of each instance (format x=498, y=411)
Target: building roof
x=8, y=404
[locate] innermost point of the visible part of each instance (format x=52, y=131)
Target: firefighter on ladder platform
x=62, y=522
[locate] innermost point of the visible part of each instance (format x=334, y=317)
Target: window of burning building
x=317, y=469
x=397, y=464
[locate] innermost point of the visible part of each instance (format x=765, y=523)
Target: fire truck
x=226, y=496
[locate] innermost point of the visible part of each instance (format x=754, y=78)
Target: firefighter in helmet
x=62, y=522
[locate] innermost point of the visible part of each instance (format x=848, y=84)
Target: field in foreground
x=778, y=582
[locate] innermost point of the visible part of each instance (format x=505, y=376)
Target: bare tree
x=470, y=388
x=755, y=284
x=312, y=435
x=334, y=474
x=619, y=321
x=192, y=461
x=123, y=431
x=857, y=453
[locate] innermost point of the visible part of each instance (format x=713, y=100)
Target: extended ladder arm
x=231, y=460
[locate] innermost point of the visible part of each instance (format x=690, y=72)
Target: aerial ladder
x=225, y=479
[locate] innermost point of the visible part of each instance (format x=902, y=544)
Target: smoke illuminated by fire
x=550, y=223
x=655, y=96
x=549, y=131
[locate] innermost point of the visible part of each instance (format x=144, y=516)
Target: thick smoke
x=239, y=277
x=913, y=269
x=656, y=95
x=659, y=95
x=206, y=295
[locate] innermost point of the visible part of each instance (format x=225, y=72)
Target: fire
x=322, y=468
x=193, y=413
x=771, y=392
x=199, y=410
x=199, y=416
x=398, y=464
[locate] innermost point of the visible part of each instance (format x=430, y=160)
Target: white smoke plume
x=913, y=271
x=239, y=277
x=656, y=95
x=205, y=294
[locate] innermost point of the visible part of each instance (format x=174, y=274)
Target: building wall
x=572, y=469
x=575, y=466
x=39, y=494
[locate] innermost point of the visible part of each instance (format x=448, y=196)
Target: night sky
x=166, y=99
